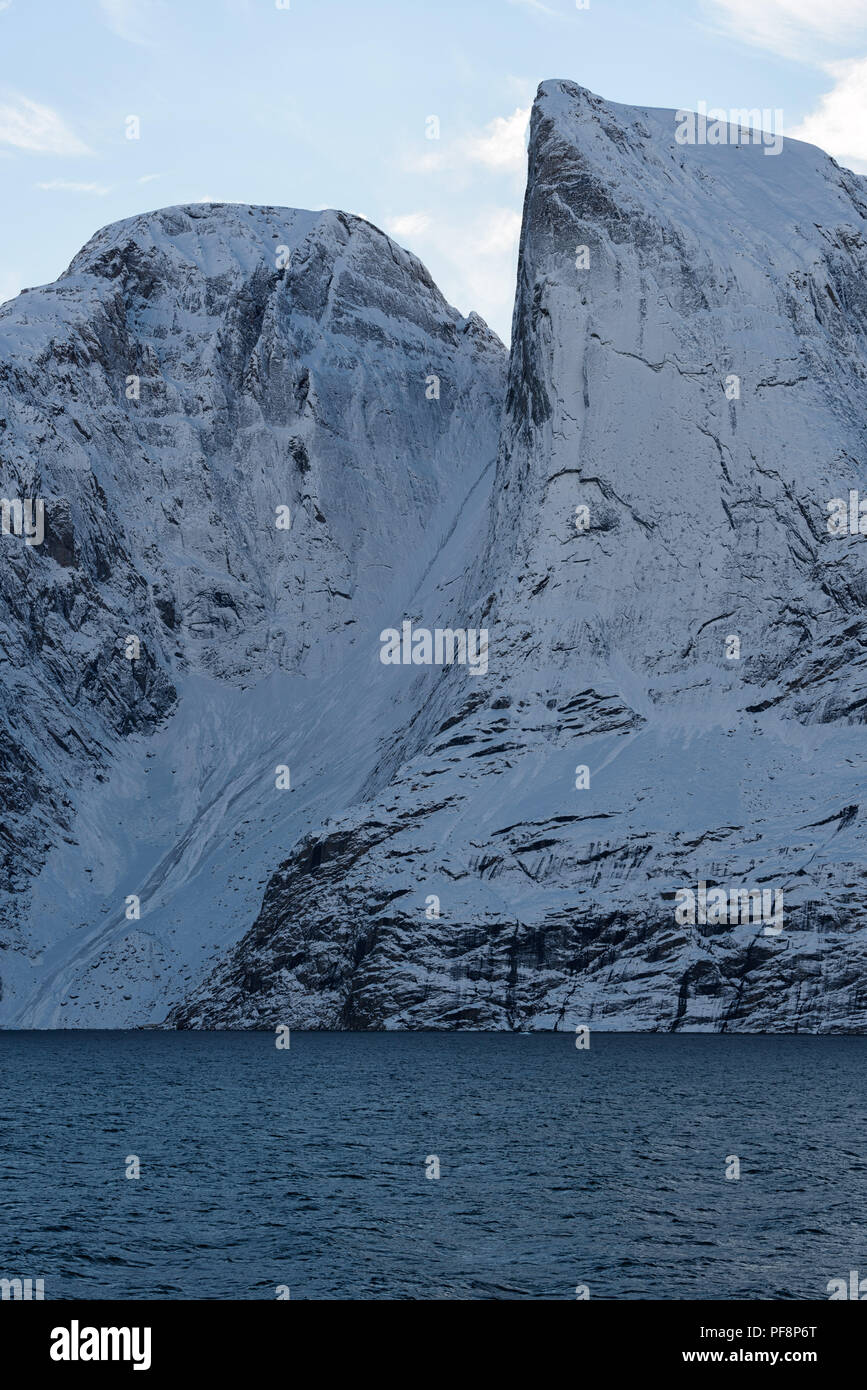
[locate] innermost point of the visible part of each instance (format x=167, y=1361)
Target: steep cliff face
x=675, y=691
x=246, y=466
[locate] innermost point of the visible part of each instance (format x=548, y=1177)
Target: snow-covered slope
x=694, y=376
x=193, y=372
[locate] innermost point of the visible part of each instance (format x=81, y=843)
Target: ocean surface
x=306, y=1167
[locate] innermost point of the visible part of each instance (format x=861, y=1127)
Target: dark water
x=306, y=1167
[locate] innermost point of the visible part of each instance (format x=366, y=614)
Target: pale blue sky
x=325, y=105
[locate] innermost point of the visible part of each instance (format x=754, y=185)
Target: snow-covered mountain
x=230, y=416
x=689, y=364
x=674, y=689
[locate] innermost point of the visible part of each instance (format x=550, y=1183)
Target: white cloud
x=26, y=125
x=409, y=224
x=148, y=178
x=839, y=124
x=500, y=146
x=68, y=186
x=793, y=28
x=504, y=142
x=479, y=265
x=137, y=21
x=472, y=255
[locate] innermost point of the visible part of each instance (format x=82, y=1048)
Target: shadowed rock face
x=698, y=383
x=192, y=372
